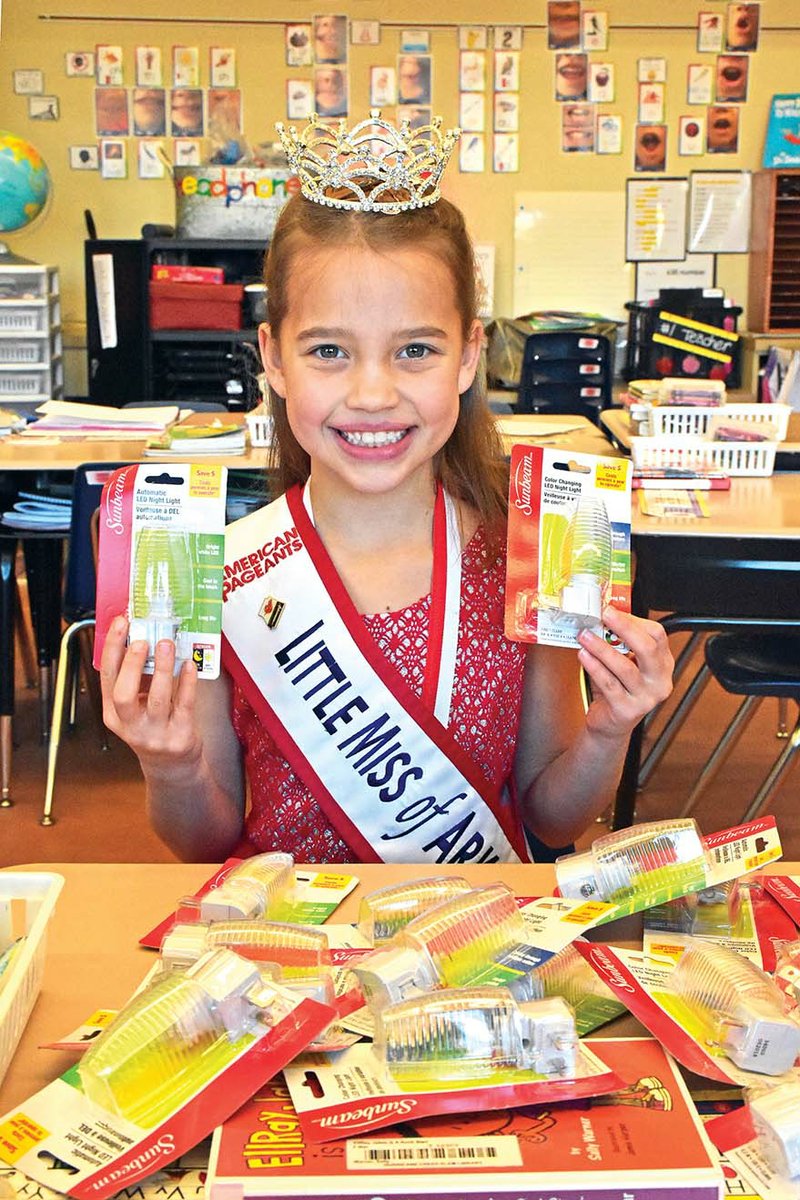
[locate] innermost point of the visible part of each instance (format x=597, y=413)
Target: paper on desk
x=533, y=426
x=670, y=502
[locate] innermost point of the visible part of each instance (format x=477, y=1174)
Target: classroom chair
x=43, y=552
x=753, y=665
x=78, y=611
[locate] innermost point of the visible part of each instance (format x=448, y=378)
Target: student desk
x=743, y=561
x=94, y=960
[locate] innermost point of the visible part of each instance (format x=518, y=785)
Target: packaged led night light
x=568, y=975
x=450, y=945
x=386, y=910
x=187, y=1051
x=300, y=958
x=711, y=912
x=647, y=863
x=296, y=949
x=569, y=530
x=161, y=559
x=739, y=1006
x=176, y=1034
x=254, y=888
x=460, y=1035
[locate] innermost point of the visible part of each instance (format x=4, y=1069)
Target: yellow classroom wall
x=37, y=33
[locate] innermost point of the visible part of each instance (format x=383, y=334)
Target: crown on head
x=373, y=167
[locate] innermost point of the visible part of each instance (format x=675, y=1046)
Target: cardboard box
x=643, y=1143
x=195, y=305
x=185, y=274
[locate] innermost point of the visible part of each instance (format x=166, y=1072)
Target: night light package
x=188, y=1049
x=569, y=544
x=162, y=550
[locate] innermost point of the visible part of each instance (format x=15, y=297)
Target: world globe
x=24, y=182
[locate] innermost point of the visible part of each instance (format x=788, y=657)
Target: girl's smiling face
x=371, y=359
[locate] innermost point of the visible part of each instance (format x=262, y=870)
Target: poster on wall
x=655, y=220
x=578, y=128
x=79, y=62
x=696, y=271
x=148, y=66
x=782, y=145
x=741, y=28
x=719, y=212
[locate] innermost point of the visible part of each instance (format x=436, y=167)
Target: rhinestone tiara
x=373, y=167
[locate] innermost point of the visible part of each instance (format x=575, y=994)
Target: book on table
x=645, y=1140
x=217, y=437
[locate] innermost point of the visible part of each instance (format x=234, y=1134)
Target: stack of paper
x=67, y=419
x=35, y=511
x=219, y=437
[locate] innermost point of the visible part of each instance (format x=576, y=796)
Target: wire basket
x=699, y=454
x=27, y=898
x=259, y=426
x=681, y=420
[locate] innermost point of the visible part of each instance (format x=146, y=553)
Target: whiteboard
x=569, y=253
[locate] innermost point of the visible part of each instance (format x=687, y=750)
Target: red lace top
x=484, y=713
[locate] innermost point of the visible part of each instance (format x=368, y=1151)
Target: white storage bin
x=23, y=318
x=27, y=898
x=683, y=421
x=734, y=458
x=31, y=282
x=25, y=383
x=24, y=350
x=259, y=426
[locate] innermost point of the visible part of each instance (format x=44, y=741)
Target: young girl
x=370, y=696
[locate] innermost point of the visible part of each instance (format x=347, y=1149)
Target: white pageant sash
x=388, y=775
x=444, y=668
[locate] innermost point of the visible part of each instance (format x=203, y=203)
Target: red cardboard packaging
x=195, y=305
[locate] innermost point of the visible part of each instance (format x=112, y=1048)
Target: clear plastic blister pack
x=740, y=1007
x=647, y=864
x=178, y=1033
x=463, y=1035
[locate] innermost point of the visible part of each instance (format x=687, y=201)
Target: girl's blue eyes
x=329, y=352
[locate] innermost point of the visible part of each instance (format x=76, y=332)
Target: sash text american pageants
x=256, y=564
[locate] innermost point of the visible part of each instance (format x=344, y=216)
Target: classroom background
x=579, y=196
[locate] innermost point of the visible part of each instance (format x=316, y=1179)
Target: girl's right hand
x=158, y=721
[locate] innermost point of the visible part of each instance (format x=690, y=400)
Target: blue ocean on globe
x=24, y=182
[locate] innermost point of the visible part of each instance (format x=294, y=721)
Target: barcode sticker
x=371, y=1154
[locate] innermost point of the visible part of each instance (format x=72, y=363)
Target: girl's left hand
x=625, y=687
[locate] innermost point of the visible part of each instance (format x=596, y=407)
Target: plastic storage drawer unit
x=566, y=372
x=196, y=305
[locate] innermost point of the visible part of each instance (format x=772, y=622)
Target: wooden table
x=51, y=454
x=557, y=430
x=94, y=960
x=18, y=453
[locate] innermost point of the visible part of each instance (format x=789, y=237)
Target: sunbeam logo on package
x=569, y=544
x=162, y=550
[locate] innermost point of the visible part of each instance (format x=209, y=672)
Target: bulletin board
x=569, y=253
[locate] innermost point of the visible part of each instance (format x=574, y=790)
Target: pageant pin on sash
x=385, y=770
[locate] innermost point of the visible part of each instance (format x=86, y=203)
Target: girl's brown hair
x=470, y=465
